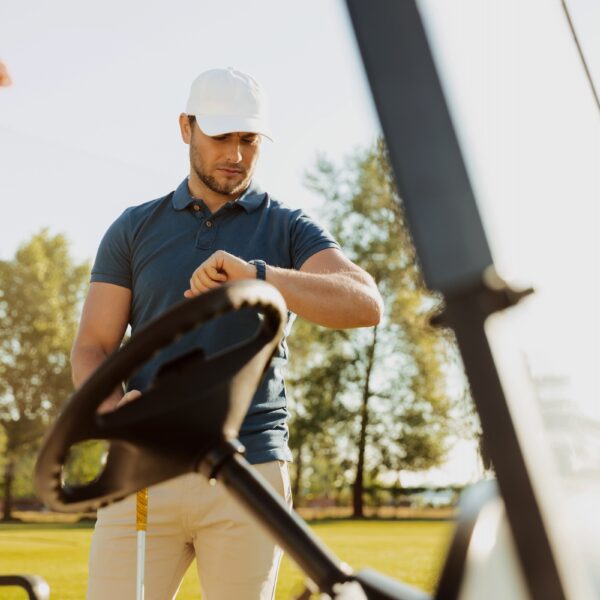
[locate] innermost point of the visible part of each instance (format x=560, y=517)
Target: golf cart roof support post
x=451, y=245
x=226, y=464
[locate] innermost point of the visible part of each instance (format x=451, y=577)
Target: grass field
x=409, y=550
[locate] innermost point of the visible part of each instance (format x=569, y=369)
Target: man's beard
x=231, y=189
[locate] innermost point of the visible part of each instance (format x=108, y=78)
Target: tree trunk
x=9, y=471
x=357, y=488
x=397, y=493
x=298, y=479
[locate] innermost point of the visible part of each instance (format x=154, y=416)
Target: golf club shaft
x=141, y=523
x=141, y=556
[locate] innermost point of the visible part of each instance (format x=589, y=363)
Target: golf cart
x=159, y=438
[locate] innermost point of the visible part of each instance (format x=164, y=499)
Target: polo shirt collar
x=250, y=200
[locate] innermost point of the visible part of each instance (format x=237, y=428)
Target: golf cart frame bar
x=36, y=587
x=452, y=247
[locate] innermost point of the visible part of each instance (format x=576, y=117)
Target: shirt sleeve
x=308, y=238
x=113, y=259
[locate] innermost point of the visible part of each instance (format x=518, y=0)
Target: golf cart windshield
x=521, y=138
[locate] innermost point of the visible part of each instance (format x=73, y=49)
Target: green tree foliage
x=41, y=289
x=386, y=389
x=317, y=377
x=85, y=461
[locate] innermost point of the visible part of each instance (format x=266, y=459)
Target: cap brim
x=218, y=125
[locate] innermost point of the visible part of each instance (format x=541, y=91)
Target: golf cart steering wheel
x=192, y=405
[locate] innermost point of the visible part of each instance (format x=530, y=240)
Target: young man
x=216, y=227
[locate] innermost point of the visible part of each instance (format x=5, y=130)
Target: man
x=216, y=227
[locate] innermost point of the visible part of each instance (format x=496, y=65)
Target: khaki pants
x=187, y=517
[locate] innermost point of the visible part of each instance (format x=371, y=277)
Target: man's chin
x=224, y=186
x=232, y=189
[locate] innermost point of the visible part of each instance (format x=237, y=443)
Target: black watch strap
x=261, y=269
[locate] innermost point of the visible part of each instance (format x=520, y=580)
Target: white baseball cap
x=226, y=101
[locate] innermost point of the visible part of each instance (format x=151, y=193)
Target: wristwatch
x=261, y=268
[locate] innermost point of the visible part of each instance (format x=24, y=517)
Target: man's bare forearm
x=339, y=300
x=330, y=291
x=84, y=361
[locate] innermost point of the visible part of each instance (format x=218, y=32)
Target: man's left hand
x=216, y=270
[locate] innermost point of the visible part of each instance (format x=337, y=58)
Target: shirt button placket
x=207, y=234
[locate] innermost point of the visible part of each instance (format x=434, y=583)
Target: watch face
x=261, y=269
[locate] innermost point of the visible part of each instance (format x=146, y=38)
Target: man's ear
x=185, y=127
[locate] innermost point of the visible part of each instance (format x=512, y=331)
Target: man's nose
x=234, y=151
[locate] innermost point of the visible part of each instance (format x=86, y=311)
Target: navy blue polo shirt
x=154, y=248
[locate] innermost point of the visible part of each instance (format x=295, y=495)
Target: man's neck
x=212, y=199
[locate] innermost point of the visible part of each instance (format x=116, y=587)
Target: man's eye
x=249, y=140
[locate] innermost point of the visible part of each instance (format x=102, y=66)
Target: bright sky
x=530, y=131
x=90, y=127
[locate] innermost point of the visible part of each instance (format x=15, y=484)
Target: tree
x=316, y=378
x=40, y=293
x=398, y=386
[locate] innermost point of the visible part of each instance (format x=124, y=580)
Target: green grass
x=412, y=551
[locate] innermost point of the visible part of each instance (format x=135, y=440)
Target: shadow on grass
x=17, y=524
x=329, y=520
